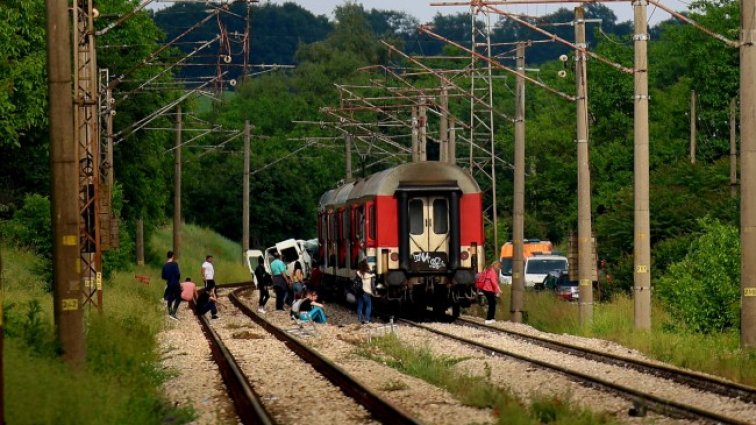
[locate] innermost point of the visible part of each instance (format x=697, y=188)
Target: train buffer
x=142, y=278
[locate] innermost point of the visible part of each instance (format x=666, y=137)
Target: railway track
x=641, y=398
x=251, y=408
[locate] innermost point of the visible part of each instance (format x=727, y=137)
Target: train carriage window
x=360, y=223
x=440, y=216
x=372, y=222
x=346, y=224
x=416, y=216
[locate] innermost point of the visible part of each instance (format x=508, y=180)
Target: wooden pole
x=245, y=189
x=177, y=189
x=140, y=242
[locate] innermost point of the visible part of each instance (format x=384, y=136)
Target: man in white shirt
x=208, y=274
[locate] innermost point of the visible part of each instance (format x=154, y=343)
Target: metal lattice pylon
x=482, y=113
x=86, y=132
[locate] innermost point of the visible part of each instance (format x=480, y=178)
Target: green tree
x=703, y=290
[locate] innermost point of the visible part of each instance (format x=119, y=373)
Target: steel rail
x=379, y=408
x=652, y=402
x=699, y=380
x=248, y=405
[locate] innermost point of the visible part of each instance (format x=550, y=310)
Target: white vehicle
x=291, y=251
x=252, y=256
x=538, y=266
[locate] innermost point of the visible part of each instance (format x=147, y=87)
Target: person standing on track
x=263, y=281
x=488, y=283
x=280, y=280
x=208, y=274
x=365, y=297
x=172, y=276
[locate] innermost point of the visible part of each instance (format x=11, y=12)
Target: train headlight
x=465, y=255
x=394, y=256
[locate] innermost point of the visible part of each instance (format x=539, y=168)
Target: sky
x=422, y=9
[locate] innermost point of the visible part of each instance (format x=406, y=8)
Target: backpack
x=357, y=285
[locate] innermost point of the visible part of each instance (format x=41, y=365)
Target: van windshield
x=543, y=266
x=506, y=267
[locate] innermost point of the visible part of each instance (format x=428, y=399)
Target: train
x=420, y=227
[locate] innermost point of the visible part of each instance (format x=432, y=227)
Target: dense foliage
x=702, y=291
x=294, y=161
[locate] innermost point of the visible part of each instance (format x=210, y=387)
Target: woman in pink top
x=187, y=289
x=488, y=283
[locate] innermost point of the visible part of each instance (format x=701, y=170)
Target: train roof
x=386, y=182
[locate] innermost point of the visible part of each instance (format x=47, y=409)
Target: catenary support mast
x=518, y=210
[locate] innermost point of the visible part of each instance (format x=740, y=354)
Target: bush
x=31, y=226
x=703, y=290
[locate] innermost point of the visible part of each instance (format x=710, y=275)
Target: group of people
x=204, y=299
x=290, y=289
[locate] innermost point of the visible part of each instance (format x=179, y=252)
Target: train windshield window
x=416, y=208
x=440, y=216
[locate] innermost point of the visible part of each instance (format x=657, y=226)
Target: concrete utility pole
x=415, y=136
x=67, y=292
x=177, y=188
x=423, y=123
x=748, y=173
x=518, y=210
x=245, y=188
x=140, y=242
x=692, y=126
x=348, y=156
x=585, y=246
x=443, y=127
x=733, y=148
x=452, y=140
x=642, y=242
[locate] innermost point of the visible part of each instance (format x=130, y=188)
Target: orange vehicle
x=530, y=247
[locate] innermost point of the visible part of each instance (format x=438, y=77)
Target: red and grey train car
x=419, y=225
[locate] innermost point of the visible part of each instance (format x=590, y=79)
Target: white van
x=538, y=266
x=252, y=256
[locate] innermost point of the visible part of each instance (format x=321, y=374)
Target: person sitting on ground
x=295, y=306
x=188, y=288
x=204, y=301
x=311, y=309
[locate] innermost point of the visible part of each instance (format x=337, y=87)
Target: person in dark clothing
x=263, y=282
x=172, y=277
x=311, y=309
x=205, y=301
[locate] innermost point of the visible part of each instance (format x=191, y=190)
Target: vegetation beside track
x=475, y=391
x=120, y=383
x=715, y=353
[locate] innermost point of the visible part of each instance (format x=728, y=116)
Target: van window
x=544, y=265
x=506, y=267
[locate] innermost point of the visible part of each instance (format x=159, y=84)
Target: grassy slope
x=121, y=382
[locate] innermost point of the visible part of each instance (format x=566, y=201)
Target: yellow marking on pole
x=749, y=292
x=585, y=282
x=70, y=240
x=515, y=276
x=98, y=280
x=641, y=268
x=78, y=265
x=69, y=304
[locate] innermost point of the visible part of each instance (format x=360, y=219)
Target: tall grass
x=472, y=390
x=197, y=243
x=121, y=380
x=718, y=354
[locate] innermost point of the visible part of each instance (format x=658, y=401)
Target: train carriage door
x=428, y=233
